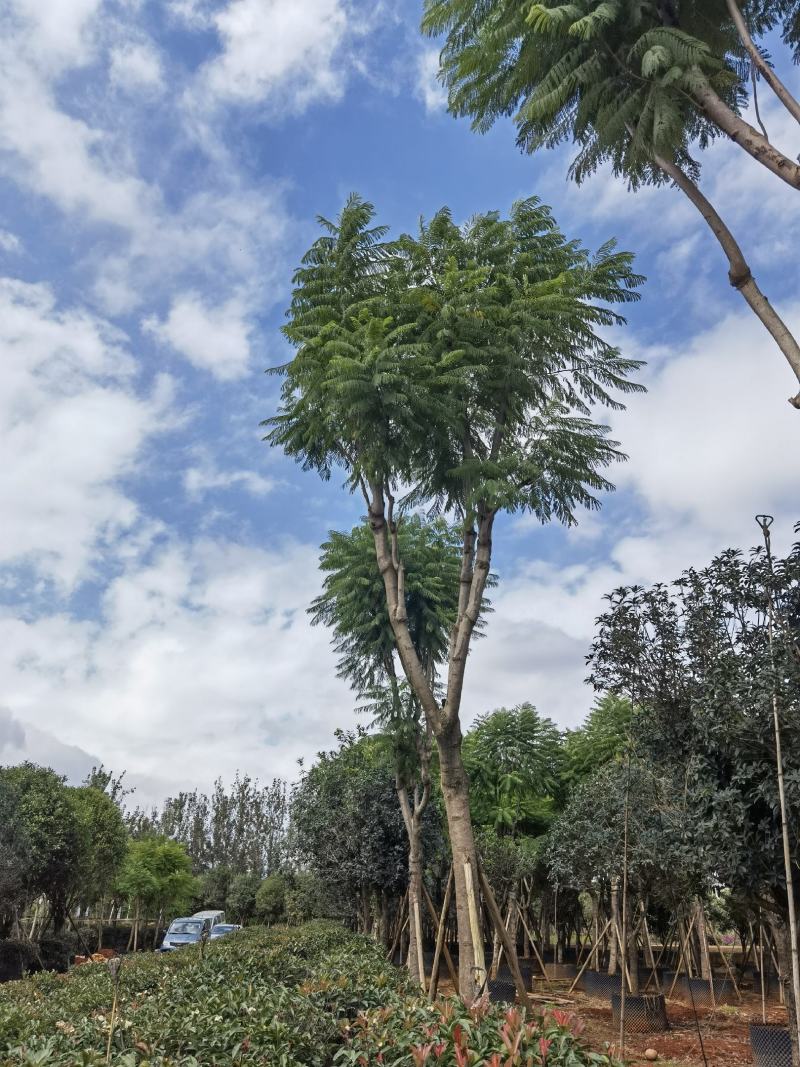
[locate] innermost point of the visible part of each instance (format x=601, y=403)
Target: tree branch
x=761, y=65
x=739, y=272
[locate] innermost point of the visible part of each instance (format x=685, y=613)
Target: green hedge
x=312, y=996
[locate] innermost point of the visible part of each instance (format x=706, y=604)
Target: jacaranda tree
x=642, y=84
x=454, y=371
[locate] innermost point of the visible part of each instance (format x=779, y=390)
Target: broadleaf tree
x=455, y=371
x=640, y=84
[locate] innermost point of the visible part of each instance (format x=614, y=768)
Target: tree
x=361, y=853
x=271, y=899
x=639, y=84
x=156, y=875
x=696, y=658
x=353, y=605
x=603, y=738
x=104, y=842
x=463, y=365
x=47, y=830
x=513, y=758
x=241, y=900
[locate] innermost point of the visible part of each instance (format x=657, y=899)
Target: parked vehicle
x=221, y=929
x=212, y=915
x=185, y=931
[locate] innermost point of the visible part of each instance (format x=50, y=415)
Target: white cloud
x=277, y=51
x=71, y=425
x=213, y=339
x=206, y=657
x=136, y=65
x=60, y=30
x=206, y=477
x=9, y=242
x=428, y=87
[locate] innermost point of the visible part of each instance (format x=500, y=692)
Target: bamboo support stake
x=399, y=925
x=725, y=961
x=440, y=942
x=511, y=950
x=586, y=962
x=420, y=956
x=682, y=956
x=539, y=959
x=765, y=521
x=761, y=972
x=439, y=923
x=478, y=962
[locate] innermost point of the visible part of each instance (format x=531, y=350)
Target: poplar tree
x=455, y=371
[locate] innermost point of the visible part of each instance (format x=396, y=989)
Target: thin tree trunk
x=612, y=956
x=745, y=135
x=702, y=940
x=739, y=273
x=761, y=65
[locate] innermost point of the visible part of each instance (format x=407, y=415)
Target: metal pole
x=765, y=521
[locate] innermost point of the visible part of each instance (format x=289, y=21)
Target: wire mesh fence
x=771, y=1045
x=643, y=1014
x=697, y=991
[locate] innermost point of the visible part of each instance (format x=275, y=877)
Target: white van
x=213, y=917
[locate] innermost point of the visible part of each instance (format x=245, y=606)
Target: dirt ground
x=724, y=1033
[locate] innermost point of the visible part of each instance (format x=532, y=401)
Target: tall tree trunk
x=614, y=943
x=739, y=273
x=595, y=953
x=455, y=789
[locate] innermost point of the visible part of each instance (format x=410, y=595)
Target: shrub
x=308, y=997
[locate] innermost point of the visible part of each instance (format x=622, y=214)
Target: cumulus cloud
x=277, y=52
x=216, y=339
x=206, y=477
x=71, y=424
x=206, y=656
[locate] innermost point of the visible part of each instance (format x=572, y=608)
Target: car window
x=185, y=927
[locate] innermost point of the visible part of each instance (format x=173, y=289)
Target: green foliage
x=271, y=899
x=241, y=827
x=695, y=658
x=602, y=738
x=347, y=827
x=620, y=78
x=514, y=760
x=585, y=848
x=214, y=886
x=291, y=998
x=462, y=362
x=240, y=902
x=41, y=827
x=157, y=872
x=104, y=841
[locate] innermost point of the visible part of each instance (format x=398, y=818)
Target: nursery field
x=314, y=995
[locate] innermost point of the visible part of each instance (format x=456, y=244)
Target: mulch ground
x=723, y=1034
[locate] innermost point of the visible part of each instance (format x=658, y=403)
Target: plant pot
x=770, y=983
x=558, y=972
x=599, y=984
x=501, y=990
x=643, y=1015
x=771, y=1044
x=697, y=991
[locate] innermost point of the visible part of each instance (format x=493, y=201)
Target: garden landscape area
x=432, y=698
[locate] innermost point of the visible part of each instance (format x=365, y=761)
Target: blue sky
x=161, y=166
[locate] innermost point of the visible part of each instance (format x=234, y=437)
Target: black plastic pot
x=771, y=1045
x=697, y=991
x=770, y=983
x=598, y=984
x=643, y=1015
x=558, y=972
x=501, y=990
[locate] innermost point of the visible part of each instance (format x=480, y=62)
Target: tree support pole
x=439, y=922
x=505, y=940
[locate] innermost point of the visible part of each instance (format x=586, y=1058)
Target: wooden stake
x=479, y=963
x=440, y=942
x=587, y=961
x=511, y=950
x=439, y=923
x=420, y=956
x=539, y=959
x=725, y=961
